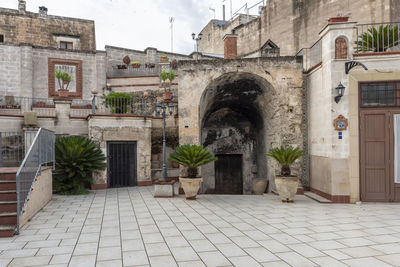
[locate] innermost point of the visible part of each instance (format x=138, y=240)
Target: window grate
x=380, y=94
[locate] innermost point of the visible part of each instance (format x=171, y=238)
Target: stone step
x=7, y=185
x=8, y=175
x=8, y=206
x=8, y=195
x=317, y=198
x=8, y=218
x=7, y=230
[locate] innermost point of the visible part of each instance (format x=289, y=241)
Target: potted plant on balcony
x=63, y=79
x=119, y=103
x=286, y=184
x=136, y=64
x=192, y=157
x=166, y=79
x=164, y=58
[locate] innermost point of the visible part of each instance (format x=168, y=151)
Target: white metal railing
x=311, y=56
x=40, y=152
x=378, y=37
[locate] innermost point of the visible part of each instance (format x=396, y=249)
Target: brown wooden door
x=375, y=155
x=228, y=174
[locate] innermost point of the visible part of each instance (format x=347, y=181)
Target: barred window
x=378, y=94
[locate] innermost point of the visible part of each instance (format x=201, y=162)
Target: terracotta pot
x=167, y=96
x=287, y=187
x=260, y=186
x=191, y=186
x=163, y=59
x=63, y=93
x=175, y=165
x=135, y=66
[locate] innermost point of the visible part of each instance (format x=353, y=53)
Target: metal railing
x=311, y=56
x=40, y=152
x=378, y=37
x=81, y=108
x=15, y=105
x=123, y=106
x=143, y=70
x=12, y=149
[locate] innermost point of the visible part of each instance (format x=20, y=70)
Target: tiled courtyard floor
x=129, y=227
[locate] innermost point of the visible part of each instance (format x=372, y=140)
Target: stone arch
x=232, y=122
x=341, y=49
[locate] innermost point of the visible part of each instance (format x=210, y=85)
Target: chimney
x=22, y=6
x=43, y=11
x=230, y=46
x=223, y=12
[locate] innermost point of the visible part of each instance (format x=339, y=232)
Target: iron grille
x=380, y=94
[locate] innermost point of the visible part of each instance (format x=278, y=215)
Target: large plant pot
x=287, y=187
x=63, y=93
x=260, y=186
x=191, y=186
x=167, y=96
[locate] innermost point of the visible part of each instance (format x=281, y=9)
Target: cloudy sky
x=138, y=24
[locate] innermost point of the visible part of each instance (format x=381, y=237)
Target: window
x=1, y=38
x=340, y=48
x=380, y=94
x=66, y=45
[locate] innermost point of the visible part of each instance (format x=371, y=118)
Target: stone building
x=292, y=24
x=239, y=107
x=44, y=30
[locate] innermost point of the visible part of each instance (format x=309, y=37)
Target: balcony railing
x=143, y=70
x=12, y=148
x=14, y=105
x=378, y=37
x=312, y=56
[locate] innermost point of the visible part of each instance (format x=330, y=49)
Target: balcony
x=377, y=38
x=16, y=106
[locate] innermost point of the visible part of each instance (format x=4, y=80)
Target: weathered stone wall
x=280, y=103
x=24, y=70
x=31, y=28
x=105, y=129
x=295, y=24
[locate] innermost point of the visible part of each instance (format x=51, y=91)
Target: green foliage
x=164, y=56
x=137, y=63
x=192, y=156
x=285, y=157
x=378, y=39
x=63, y=79
x=164, y=75
x=76, y=159
x=119, y=103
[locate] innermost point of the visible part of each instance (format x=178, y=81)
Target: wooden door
x=121, y=164
x=375, y=155
x=228, y=174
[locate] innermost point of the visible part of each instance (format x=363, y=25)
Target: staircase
x=8, y=202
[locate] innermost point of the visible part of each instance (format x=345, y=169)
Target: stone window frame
x=79, y=76
x=340, y=54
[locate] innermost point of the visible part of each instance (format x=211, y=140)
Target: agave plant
x=63, y=79
x=192, y=156
x=378, y=39
x=76, y=159
x=285, y=157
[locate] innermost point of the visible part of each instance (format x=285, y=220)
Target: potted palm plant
x=192, y=157
x=286, y=184
x=63, y=79
x=166, y=79
x=378, y=39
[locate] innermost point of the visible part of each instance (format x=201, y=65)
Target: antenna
x=171, y=21
x=213, y=10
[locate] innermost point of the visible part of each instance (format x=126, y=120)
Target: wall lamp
x=340, y=89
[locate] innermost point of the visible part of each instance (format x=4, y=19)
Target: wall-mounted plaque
x=73, y=68
x=340, y=123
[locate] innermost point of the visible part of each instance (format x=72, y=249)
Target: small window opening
x=66, y=45
x=1, y=38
